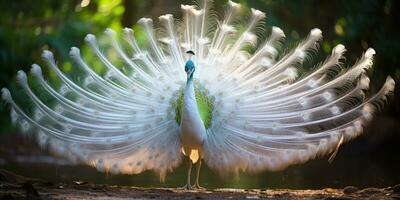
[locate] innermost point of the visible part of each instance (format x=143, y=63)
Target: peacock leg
x=197, y=185
x=188, y=186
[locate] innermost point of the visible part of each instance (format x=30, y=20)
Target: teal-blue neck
x=190, y=68
x=189, y=79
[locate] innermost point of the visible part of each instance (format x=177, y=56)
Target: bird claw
x=186, y=187
x=197, y=186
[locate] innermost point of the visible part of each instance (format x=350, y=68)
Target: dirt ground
x=13, y=186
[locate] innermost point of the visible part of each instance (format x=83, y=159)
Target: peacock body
x=240, y=110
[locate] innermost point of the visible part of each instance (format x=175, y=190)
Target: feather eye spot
x=327, y=96
x=269, y=50
x=323, y=143
x=109, y=74
x=152, y=110
x=94, y=134
x=63, y=89
x=25, y=125
x=249, y=37
x=88, y=80
x=306, y=116
x=115, y=168
x=275, y=126
x=265, y=62
x=14, y=116
x=58, y=109
x=225, y=28
x=358, y=124
x=300, y=53
x=80, y=102
x=159, y=120
x=67, y=128
x=300, y=134
x=367, y=116
x=312, y=83
x=364, y=82
x=303, y=102
x=38, y=115
x=349, y=131
x=259, y=138
x=291, y=73
x=60, y=149
x=237, y=100
x=335, y=110
x=42, y=138
x=367, y=112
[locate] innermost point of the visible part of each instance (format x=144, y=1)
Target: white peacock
x=244, y=110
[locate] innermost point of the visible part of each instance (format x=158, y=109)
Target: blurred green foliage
x=27, y=27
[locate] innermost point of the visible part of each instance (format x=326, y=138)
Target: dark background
x=28, y=26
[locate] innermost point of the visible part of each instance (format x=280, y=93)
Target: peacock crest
x=258, y=110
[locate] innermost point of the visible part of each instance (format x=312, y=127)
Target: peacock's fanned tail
x=264, y=115
x=117, y=122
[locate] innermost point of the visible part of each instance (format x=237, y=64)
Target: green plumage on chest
x=205, y=105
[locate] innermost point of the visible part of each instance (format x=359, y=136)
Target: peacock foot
x=187, y=187
x=197, y=186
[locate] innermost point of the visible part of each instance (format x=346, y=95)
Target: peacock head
x=189, y=54
x=189, y=69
